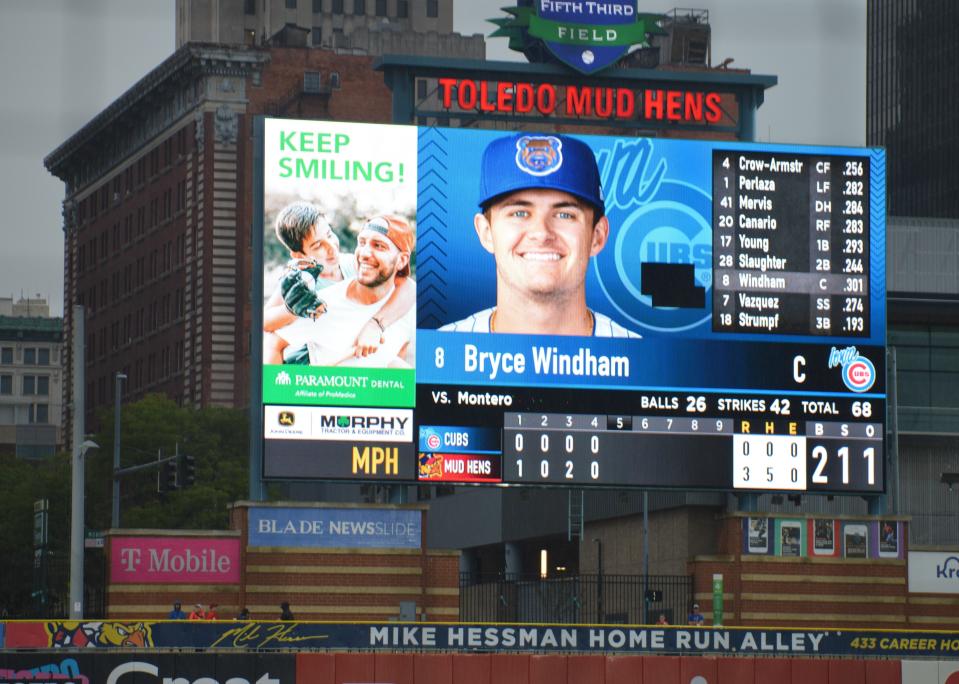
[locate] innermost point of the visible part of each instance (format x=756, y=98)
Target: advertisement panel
x=934, y=572
x=585, y=303
x=339, y=233
x=231, y=637
x=335, y=527
x=174, y=560
x=105, y=668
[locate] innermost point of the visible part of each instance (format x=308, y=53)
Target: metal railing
x=574, y=599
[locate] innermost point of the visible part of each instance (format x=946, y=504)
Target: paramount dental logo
x=587, y=35
x=328, y=380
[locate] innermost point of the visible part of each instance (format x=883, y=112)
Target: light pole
x=118, y=390
x=77, y=524
x=599, y=580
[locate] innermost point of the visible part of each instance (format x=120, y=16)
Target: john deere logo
x=587, y=35
x=286, y=418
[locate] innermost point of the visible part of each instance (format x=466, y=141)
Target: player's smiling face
x=377, y=258
x=542, y=240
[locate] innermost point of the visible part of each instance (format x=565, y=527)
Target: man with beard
x=383, y=250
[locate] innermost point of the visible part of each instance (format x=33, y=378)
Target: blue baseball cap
x=554, y=162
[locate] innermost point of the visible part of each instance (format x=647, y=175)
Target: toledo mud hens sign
x=546, y=99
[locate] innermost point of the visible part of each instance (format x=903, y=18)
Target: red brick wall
x=347, y=584
x=335, y=584
x=815, y=591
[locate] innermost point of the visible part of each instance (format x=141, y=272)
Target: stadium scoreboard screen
x=589, y=311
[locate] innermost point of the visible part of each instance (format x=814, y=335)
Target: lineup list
x=790, y=244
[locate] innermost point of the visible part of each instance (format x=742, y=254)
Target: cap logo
x=539, y=156
x=379, y=225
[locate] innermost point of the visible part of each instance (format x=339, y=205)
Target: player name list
x=790, y=244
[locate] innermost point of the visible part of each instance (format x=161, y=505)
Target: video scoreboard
x=737, y=307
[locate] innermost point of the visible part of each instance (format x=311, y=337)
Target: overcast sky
x=63, y=61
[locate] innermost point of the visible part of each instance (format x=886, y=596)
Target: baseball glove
x=298, y=288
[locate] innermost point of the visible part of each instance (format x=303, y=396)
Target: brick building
x=158, y=211
x=371, y=27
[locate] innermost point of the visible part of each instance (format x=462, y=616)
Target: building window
x=6, y=384
x=337, y=6
x=291, y=4
x=317, y=6
x=6, y=355
x=39, y=413
x=402, y=9
x=249, y=7
x=36, y=385
x=432, y=8
x=311, y=81
x=43, y=357
x=359, y=7
x=30, y=356
x=381, y=8
x=317, y=35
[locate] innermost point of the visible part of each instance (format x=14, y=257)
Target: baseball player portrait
x=334, y=308
x=542, y=216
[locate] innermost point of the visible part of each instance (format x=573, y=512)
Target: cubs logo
x=859, y=375
x=75, y=634
x=858, y=372
x=539, y=156
x=431, y=438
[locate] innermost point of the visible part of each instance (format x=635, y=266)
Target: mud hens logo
x=858, y=373
x=539, y=156
x=286, y=419
x=431, y=466
x=75, y=634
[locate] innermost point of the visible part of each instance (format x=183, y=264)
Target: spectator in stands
x=211, y=613
x=696, y=618
x=176, y=613
x=661, y=620
x=197, y=613
x=244, y=614
x=285, y=612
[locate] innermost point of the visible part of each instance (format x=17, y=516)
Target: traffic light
x=189, y=470
x=169, y=476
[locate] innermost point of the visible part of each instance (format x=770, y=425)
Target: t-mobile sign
x=174, y=560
